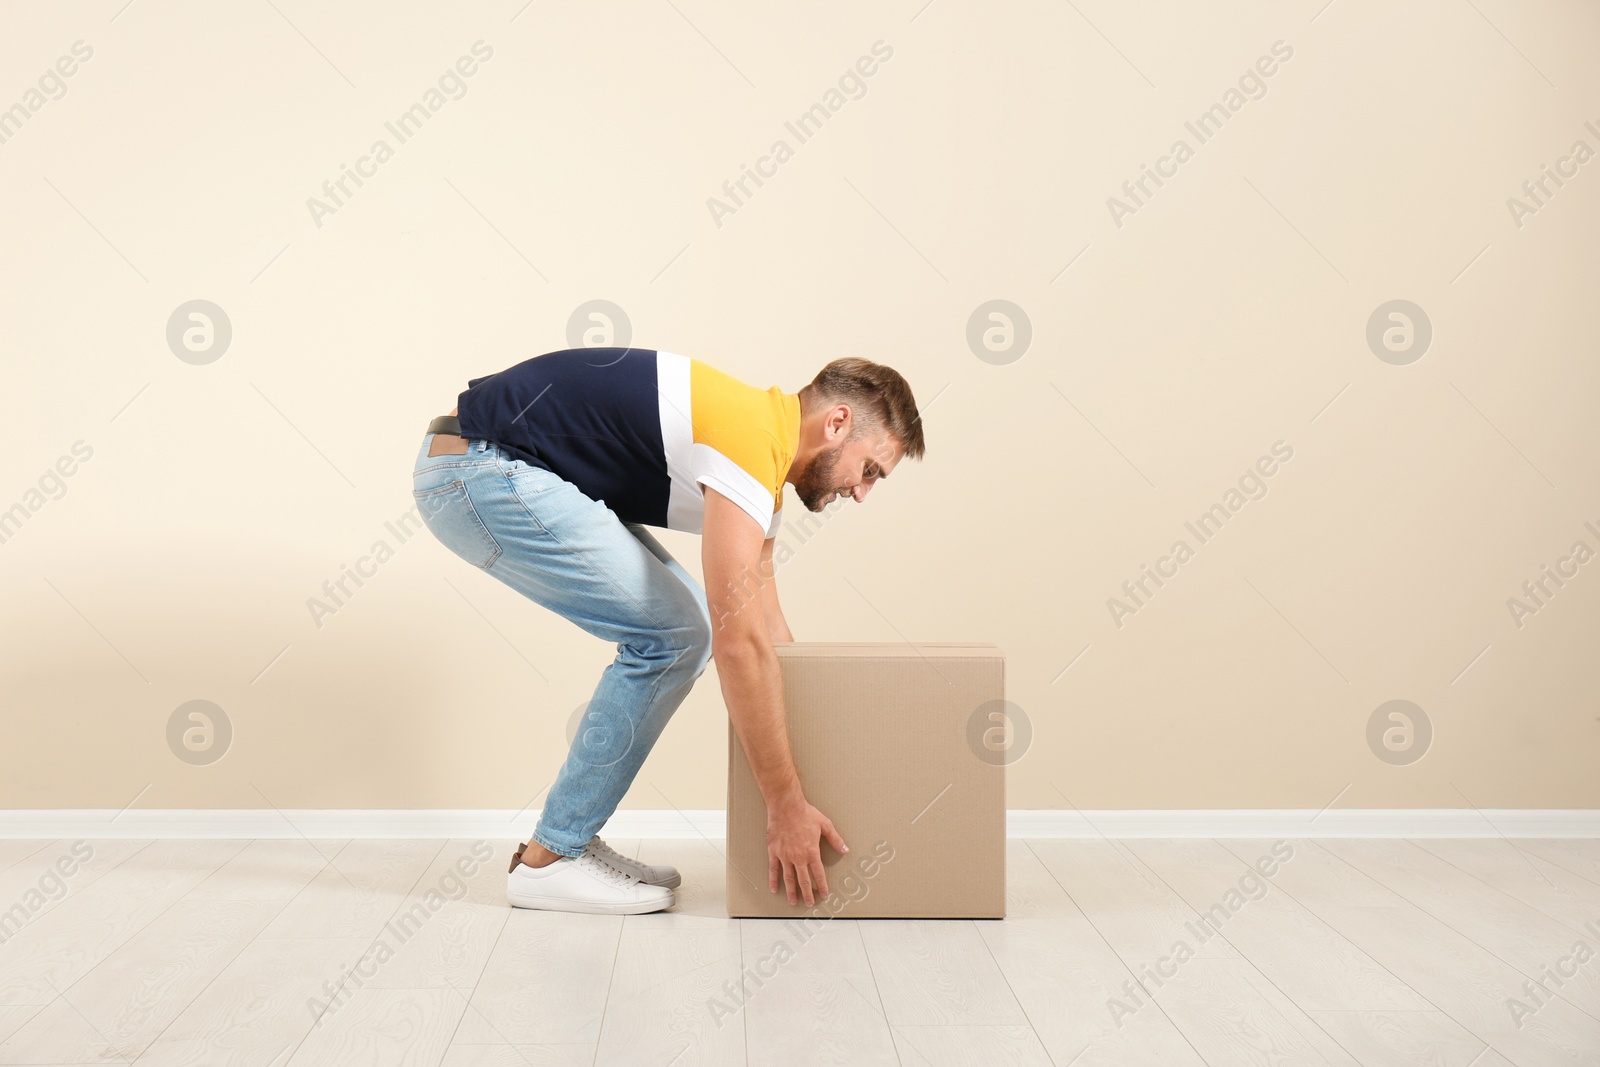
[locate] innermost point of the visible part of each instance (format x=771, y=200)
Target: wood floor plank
x=829, y=947
x=1470, y=985
x=1526, y=876
x=1359, y=952
x=40, y=882
x=117, y=1009
x=1581, y=856
x=1521, y=935
x=269, y=869
x=186, y=854
x=700, y=902
x=62, y=945
x=968, y=1046
x=443, y=931
x=259, y=1009
x=1459, y=977
x=1316, y=876
x=937, y=972
x=1134, y=912
x=677, y=985
x=675, y=996
x=13, y=850
x=519, y=1055
x=391, y=1027
x=820, y=1020
x=12, y=1018
x=1407, y=1039
x=1066, y=978
x=816, y=1001
x=357, y=892
x=1233, y=1015
x=1288, y=944
x=545, y=982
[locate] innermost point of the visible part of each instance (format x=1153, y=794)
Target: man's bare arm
x=777, y=625
x=752, y=687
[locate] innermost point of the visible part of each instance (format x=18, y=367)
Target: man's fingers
x=773, y=869
x=820, y=875
x=788, y=880
x=833, y=837
x=803, y=874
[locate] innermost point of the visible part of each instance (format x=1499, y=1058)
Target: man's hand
x=793, y=851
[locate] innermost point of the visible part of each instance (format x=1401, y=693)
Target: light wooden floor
x=1356, y=952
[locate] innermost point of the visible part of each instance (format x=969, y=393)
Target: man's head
x=857, y=420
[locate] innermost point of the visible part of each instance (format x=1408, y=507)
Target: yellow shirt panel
x=757, y=429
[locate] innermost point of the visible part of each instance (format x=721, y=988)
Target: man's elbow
x=739, y=636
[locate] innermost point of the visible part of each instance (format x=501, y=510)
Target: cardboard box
x=894, y=743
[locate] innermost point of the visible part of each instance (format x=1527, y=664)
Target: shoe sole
x=625, y=907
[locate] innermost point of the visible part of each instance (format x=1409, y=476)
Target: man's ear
x=837, y=421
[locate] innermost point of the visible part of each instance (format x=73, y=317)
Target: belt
x=447, y=439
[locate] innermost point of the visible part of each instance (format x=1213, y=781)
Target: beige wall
x=1225, y=314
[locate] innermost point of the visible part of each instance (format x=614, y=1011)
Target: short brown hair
x=880, y=400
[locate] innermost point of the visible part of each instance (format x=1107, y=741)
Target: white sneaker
x=583, y=883
x=648, y=873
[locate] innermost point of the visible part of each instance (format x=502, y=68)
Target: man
x=546, y=474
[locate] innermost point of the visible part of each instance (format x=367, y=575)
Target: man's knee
x=697, y=652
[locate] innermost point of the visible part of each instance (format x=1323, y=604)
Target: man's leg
x=543, y=537
x=594, y=743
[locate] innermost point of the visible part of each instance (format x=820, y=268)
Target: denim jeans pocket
x=447, y=511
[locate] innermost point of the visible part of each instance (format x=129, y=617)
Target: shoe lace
x=592, y=861
x=604, y=851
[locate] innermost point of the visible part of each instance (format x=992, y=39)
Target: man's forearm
x=752, y=688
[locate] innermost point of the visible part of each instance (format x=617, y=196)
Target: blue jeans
x=542, y=536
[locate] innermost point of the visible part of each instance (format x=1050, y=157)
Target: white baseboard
x=710, y=823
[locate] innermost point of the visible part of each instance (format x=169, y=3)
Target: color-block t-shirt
x=642, y=431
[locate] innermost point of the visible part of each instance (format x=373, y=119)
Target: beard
x=820, y=478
